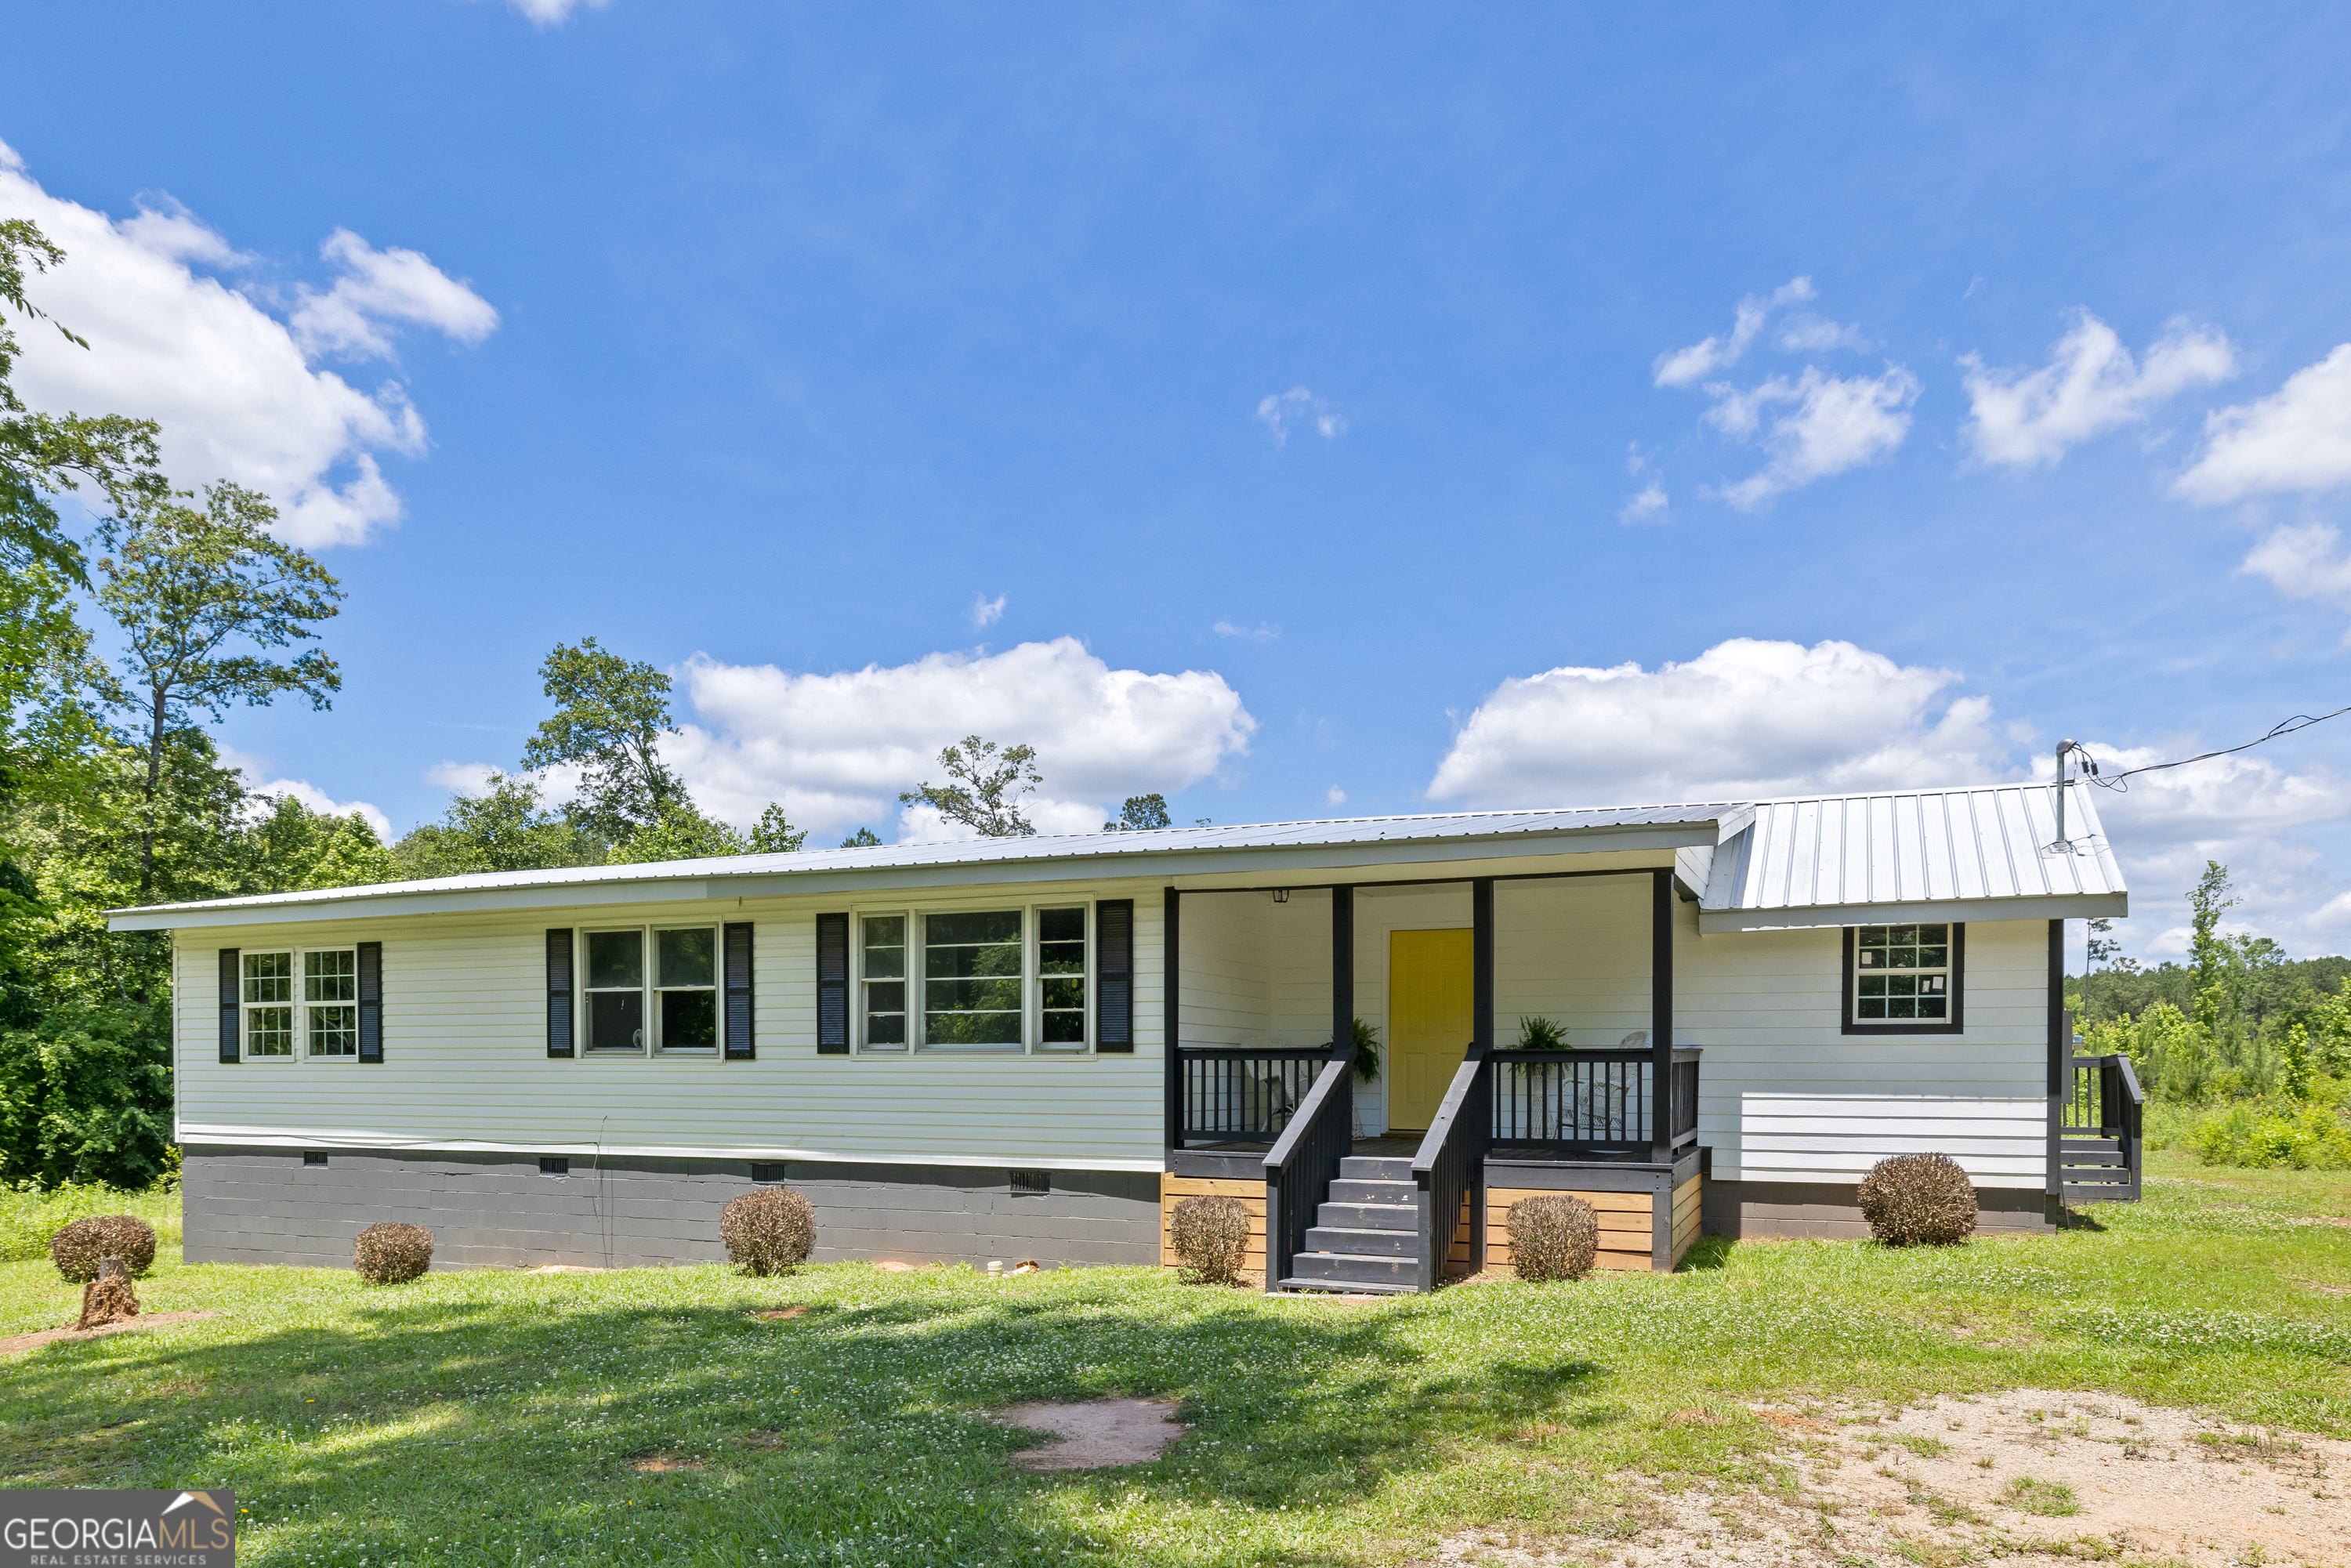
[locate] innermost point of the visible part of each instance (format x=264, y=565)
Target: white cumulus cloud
x=1745, y=718
x=233, y=388
x=1835, y=422
x=2299, y=562
x=836, y=749
x=1650, y=505
x=255, y=770
x=550, y=13
x=378, y=288
x=1263, y=632
x=1279, y=411
x=2297, y=438
x=986, y=612
x=2090, y=385
x=1687, y=367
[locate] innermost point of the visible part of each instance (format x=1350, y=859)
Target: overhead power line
x=2285, y=727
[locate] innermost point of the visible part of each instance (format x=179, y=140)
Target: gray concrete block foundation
x=266, y=1205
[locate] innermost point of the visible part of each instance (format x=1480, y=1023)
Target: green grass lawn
x=493, y=1418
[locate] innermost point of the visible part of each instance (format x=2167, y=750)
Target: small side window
x=881, y=957
x=1903, y=977
x=616, y=990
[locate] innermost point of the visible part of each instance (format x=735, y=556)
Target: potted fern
x=1539, y=1033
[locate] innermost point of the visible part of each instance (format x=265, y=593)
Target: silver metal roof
x=1842, y=860
x=1351, y=841
x=1832, y=860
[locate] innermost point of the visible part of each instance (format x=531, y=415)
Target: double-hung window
x=1903, y=979
x=995, y=981
x=301, y=1004
x=652, y=990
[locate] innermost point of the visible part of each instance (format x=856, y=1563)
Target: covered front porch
x=1397, y=1182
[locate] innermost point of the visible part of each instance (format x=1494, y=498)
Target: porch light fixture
x=1281, y=895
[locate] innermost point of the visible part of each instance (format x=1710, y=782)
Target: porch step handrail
x=1450, y=1163
x=2101, y=1153
x=1241, y=1093
x=1304, y=1160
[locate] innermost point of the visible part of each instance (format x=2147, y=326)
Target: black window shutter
x=738, y=936
x=371, y=968
x=1114, y=974
x=832, y=985
x=231, y=1002
x=558, y=992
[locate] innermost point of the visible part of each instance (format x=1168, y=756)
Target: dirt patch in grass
x=2017, y=1478
x=782, y=1314
x=25, y=1341
x=662, y=1464
x=1097, y=1434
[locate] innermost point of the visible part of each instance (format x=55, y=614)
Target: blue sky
x=1261, y=407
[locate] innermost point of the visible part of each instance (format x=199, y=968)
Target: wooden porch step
x=1369, y=1216
x=2070, y=1193
x=1348, y=1288
x=1376, y=1168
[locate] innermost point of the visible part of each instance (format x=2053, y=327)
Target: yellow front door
x=1428, y=1020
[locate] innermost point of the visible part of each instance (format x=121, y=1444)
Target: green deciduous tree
x=501, y=827
x=983, y=788
x=1139, y=812
x=202, y=596
x=862, y=839
x=610, y=714
x=42, y=455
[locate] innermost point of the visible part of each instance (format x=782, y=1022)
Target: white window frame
x=1032, y=987
x=649, y=993
x=299, y=1004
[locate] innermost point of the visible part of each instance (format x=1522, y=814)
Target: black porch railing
x=1303, y=1163
x=1592, y=1102
x=2098, y=1144
x=1241, y=1094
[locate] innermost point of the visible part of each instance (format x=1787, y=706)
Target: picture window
x=1007, y=981
x=650, y=991
x=971, y=979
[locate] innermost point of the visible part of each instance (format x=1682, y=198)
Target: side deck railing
x=1304, y=1160
x=1592, y=1102
x=1241, y=1094
x=2100, y=1151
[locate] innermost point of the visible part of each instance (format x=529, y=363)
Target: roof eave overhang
x=1297, y=863
x=2052, y=906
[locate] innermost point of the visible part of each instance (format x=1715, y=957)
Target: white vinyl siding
x=466, y=1061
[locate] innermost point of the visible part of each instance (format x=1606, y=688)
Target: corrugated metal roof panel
x=1925, y=847
x=1467, y=826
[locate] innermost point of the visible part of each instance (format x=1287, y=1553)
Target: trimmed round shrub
x=1919, y=1201
x=76, y=1250
x=769, y=1230
x=1553, y=1236
x=1211, y=1235
x=393, y=1253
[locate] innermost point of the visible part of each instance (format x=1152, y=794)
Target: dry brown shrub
x=1211, y=1235
x=769, y=1230
x=1553, y=1236
x=77, y=1248
x=393, y=1253
x=109, y=1299
x=1913, y=1199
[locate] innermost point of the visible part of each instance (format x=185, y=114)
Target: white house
x=1032, y=1047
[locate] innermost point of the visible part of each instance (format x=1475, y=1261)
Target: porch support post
x=2061, y=1068
x=1481, y=1027
x=1170, y=1005
x=1661, y=1016
x=1342, y=969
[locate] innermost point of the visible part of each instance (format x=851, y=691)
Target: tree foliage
x=984, y=787
x=1139, y=812
x=609, y=716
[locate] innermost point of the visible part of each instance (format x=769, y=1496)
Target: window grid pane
x=334, y=1030
x=1903, y=973
x=1062, y=978
x=331, y=976
x=269, y=977
x=971, y=979
x=270, y=1031
x=883, y=965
